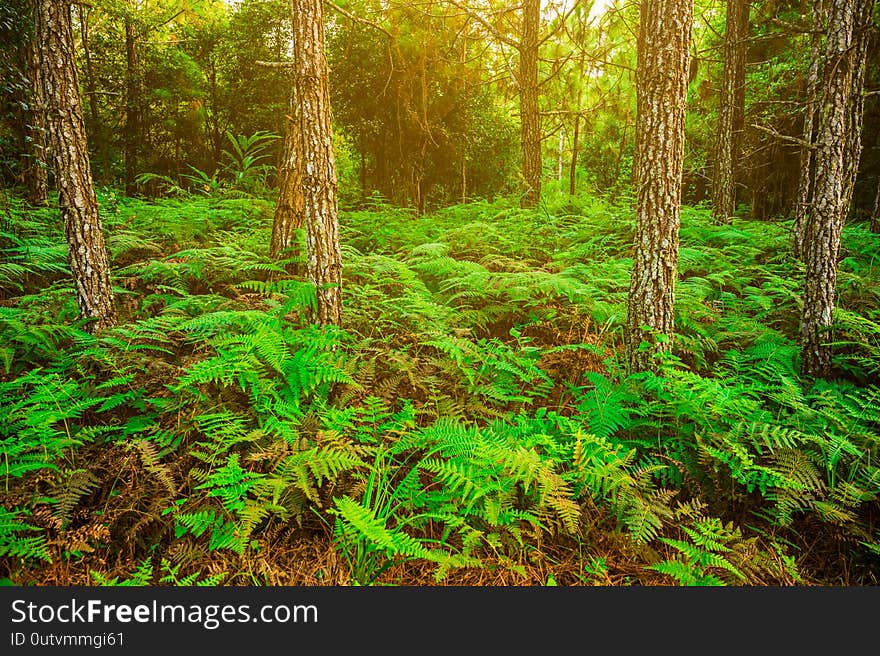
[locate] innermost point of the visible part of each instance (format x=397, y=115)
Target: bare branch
x=784, y=137
x=275, y=64
x=358, y=19
x=482, y=21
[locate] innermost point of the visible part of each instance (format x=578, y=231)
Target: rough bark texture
x=831, y=184
x=575, y=147
x=290, y=206
x=324, y=264
x=133, y=95
x=805, y=176
x=875, y=211
x=530, y=113
x=37, y=174
x=731, y=111
x=661, y=82
x=861, y=45
x=87, y=253
x=96, y=129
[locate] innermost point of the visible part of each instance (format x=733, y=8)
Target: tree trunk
x=661, y=86
x=853, y=149
x=133, y=137
x=875, y=211
x=289, y=210
x=97, y=129
x=805, y=173
x=831, y=184
x=87, y=253
x=463, y=181
x=37, y=174
x=530, y=113
x=731, y=111
x=324, y=264
x=559, y=150
x=575, y=145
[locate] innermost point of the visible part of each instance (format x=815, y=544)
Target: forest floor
x=470, y=423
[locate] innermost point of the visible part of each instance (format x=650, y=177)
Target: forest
x=440, y=293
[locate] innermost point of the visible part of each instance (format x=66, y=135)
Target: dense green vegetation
x=461, y=292
x=470, y=422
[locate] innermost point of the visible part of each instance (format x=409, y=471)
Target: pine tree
x=837, y=153
x=87, y=253
x=661, y=79
x=321, y=213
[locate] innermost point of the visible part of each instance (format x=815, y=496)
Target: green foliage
x=14, y=545
x=472, y=410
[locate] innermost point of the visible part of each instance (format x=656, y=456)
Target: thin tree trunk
x=87, y=253
x=214, y=116
x=290, y=207
x=529, y=109
x=825, y=222
x=463, y=181
x=575, y=145
x=97, y=129
x=575, y=138
x=559, y=149
x=37, y=174
x=661, y=84
x=324, y=265
x=875, y=211
x=861, y=45
x=133, y=137
x=805, y=174
x=731, y=112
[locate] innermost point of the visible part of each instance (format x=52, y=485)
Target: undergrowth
x=470, y=416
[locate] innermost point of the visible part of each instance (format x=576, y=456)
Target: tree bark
x=575, y=146
x=133, y=137
x=290, y=207
x=37, y=174
x=661, y=87
x=731, y=111
x=97, y=129
x=575, y=138
x=875, y=211
x=806, y=172
x=87, y=254
x=529, y=109
x=324, y=263
x=853, y=148
x=831, y=183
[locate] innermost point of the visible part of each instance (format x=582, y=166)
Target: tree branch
x=275, y=64
x=486, y=24
x=784, y=137
x=358, y=19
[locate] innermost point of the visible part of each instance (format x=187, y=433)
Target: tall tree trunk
x=806, y=172
x=133, y=137
x=661, y=86
x=831, y=184
x=529, y=109
x=575, y=137
x=87, y=253
x=324, y=264
x=97, y=129
x=463, y=180
x=575, y=146
x=289, y=210
x=731, y=111
x=559, y=151
x=875, y=210
x=853, y=149
x=37, y=174
x=214, y=117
